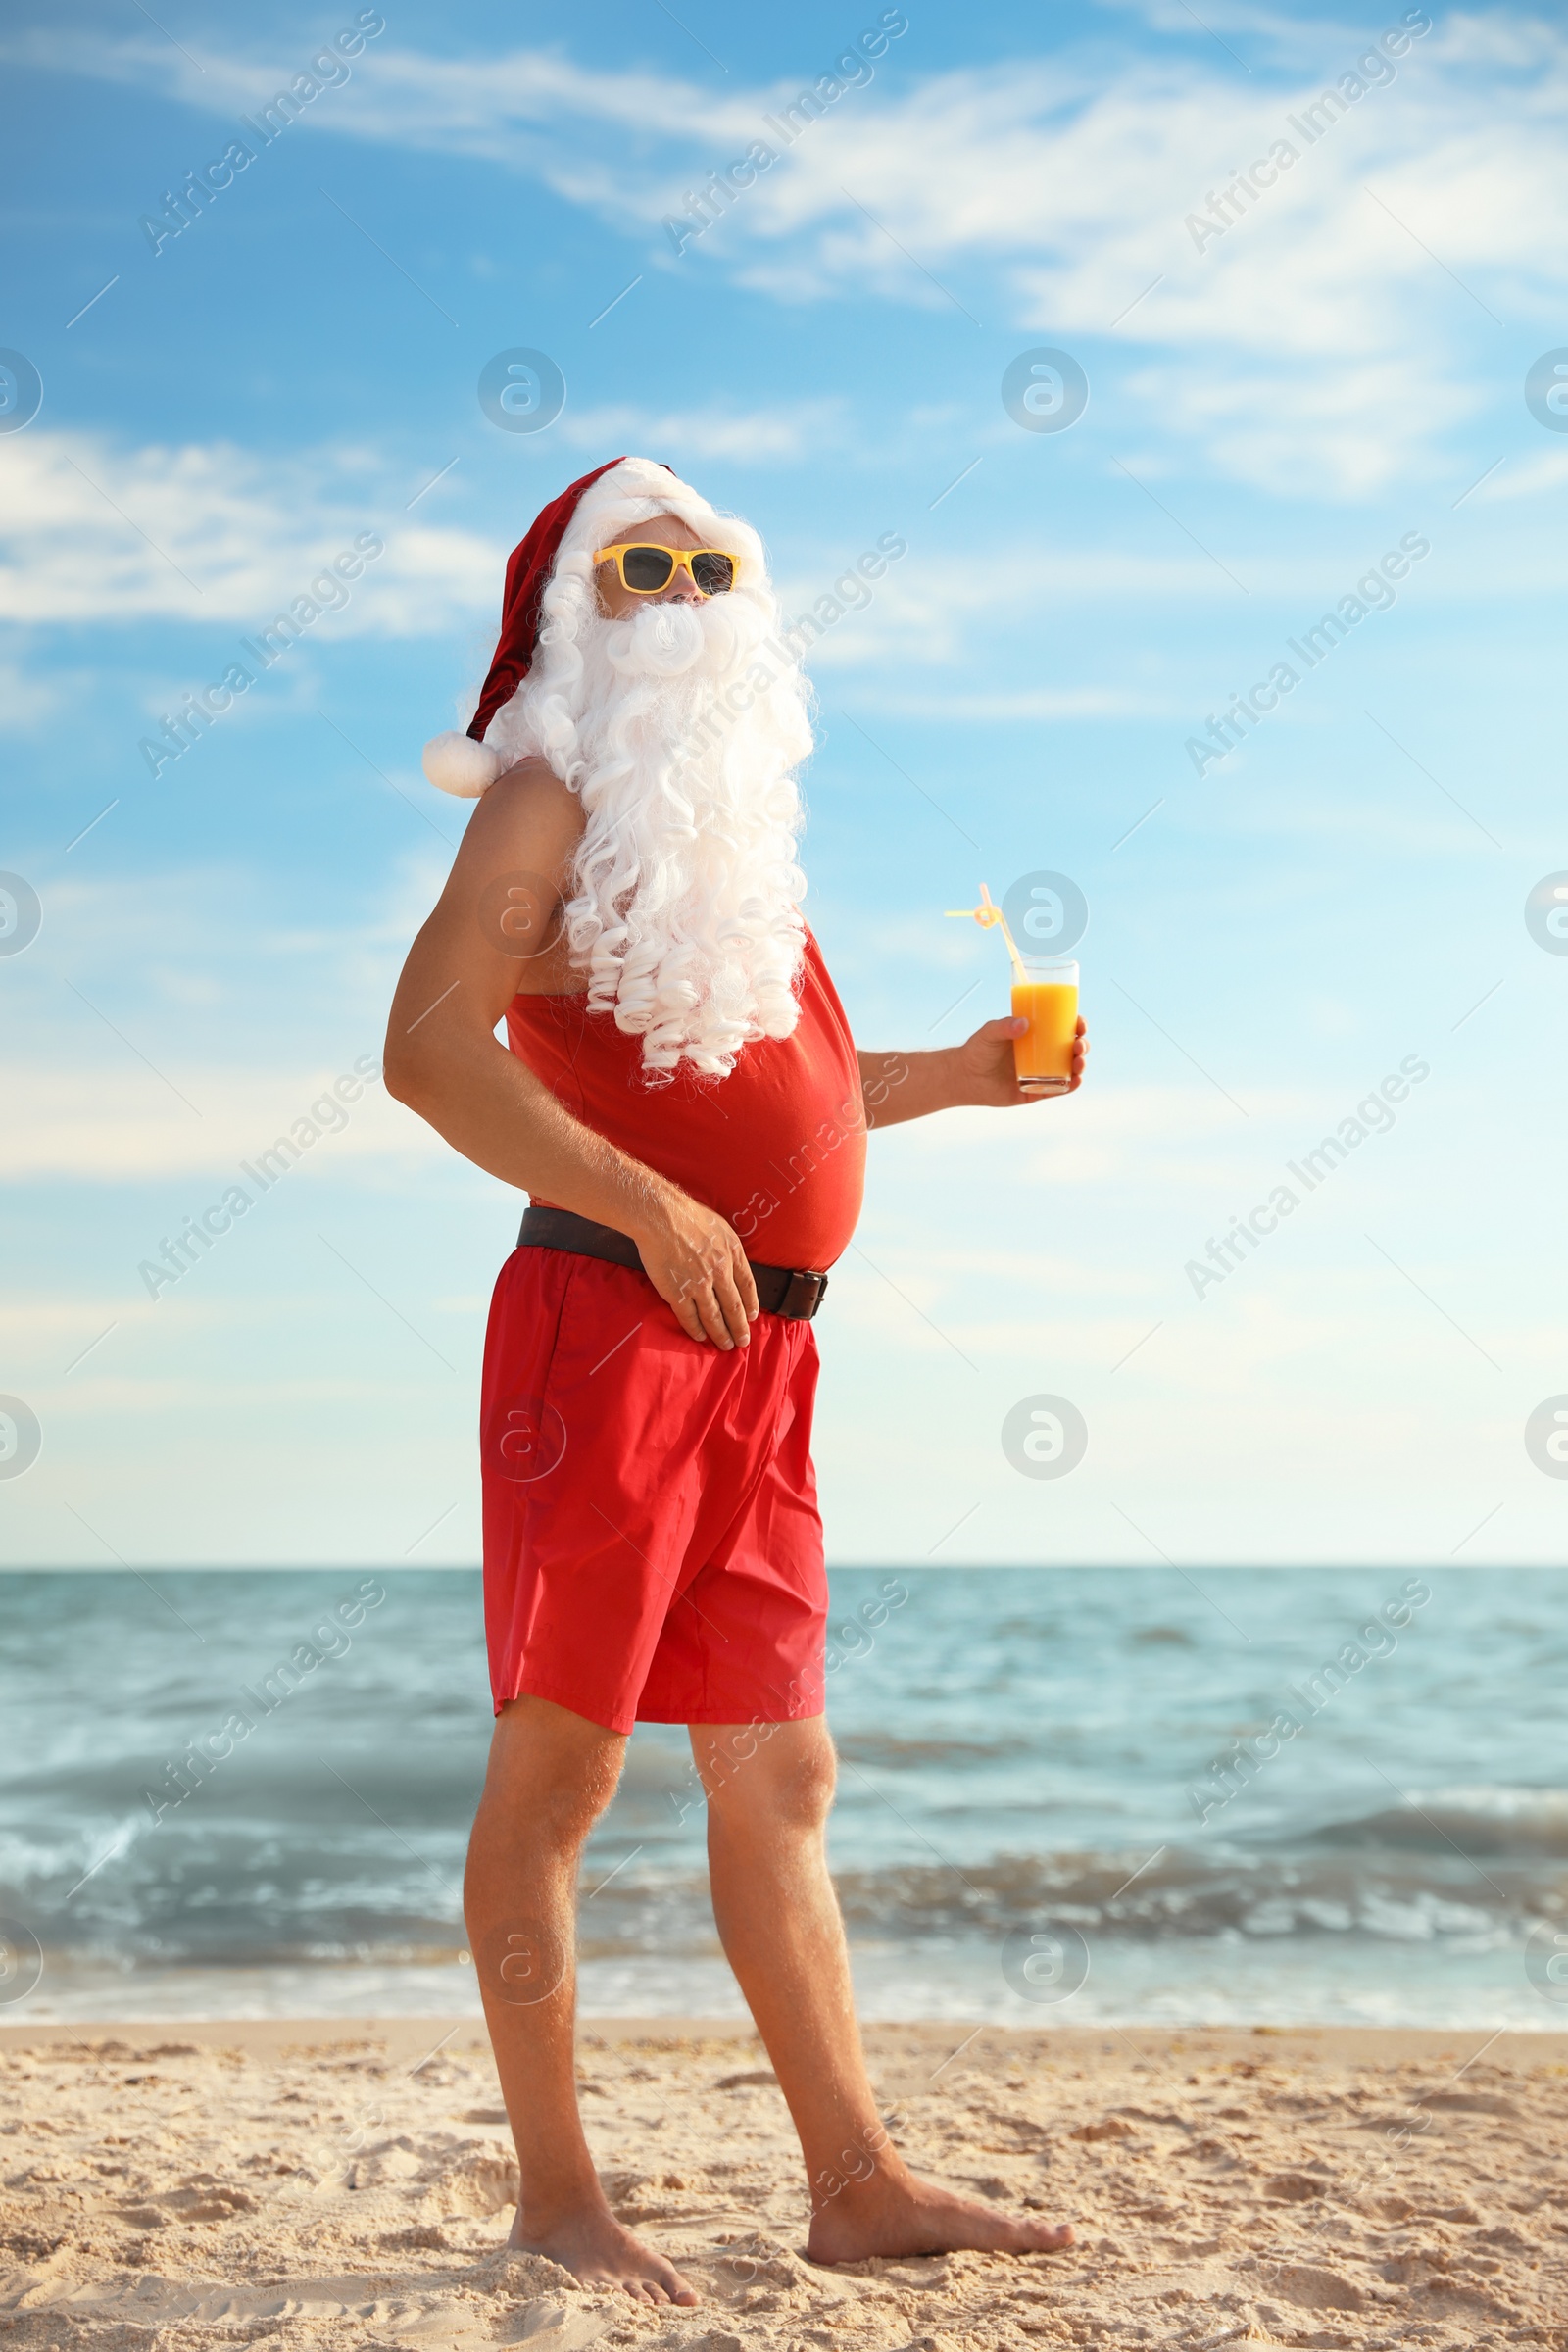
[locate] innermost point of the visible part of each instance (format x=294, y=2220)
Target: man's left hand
x=896, y=1087
x=986, y=1062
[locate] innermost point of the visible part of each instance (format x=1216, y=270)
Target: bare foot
x=592, y=2244
x=903, y=2215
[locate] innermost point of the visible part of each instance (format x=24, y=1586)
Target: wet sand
x=327, y=2186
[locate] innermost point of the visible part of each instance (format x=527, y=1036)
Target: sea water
x=1065, y=1795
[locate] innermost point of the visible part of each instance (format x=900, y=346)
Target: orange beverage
x=1049, y=1002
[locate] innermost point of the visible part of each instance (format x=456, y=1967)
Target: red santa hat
x=466, y=764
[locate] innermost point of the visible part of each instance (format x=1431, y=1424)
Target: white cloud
x=934, y=617
x=210, y=532
x=110, y=1125
x=1339, y=332
x=240, y=534
x=1063, y=702
x=1052, y=195
x=761, y=437
x=27, y=703
x=1525, y=477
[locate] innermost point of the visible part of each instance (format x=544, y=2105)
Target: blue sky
x=1277, y=398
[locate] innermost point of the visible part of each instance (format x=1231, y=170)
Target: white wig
x=680, y=730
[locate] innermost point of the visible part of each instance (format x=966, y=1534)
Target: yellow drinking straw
x=989, y=914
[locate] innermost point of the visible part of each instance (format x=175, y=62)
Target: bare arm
x=501, y=900
x=896, y=1087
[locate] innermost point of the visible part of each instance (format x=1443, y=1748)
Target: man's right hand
x=697, y=1264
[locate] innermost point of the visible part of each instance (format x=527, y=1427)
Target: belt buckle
x=802, y=1295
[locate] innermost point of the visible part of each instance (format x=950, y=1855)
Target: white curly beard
x=686, y=915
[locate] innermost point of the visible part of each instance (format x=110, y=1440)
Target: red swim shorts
x=653, y=1550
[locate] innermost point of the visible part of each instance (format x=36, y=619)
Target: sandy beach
x=323, y=2186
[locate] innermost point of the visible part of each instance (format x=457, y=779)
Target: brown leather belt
x=780, y=1289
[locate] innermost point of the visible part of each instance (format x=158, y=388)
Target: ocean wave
x=1183, y=1894
x=894, y=1754
x=1047, y=1731
x=1530, y=1824
x=204, y=1889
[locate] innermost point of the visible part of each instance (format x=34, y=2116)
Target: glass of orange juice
x=1047, y=1000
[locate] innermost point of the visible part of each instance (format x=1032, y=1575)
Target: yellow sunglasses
x=645, y=569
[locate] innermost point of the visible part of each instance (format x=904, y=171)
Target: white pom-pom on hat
x=456, y=763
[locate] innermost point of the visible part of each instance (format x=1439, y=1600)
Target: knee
x=785, y=1785
x=551, y=1787
x=807, y=1788
x=561, y=1813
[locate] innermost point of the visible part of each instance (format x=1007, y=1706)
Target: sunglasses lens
x=713, y=573
x=648, y=568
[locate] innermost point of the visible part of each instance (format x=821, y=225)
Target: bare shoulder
x=527, y=818
x=513, y=871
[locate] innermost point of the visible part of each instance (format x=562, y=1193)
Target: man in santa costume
x=682, y=1102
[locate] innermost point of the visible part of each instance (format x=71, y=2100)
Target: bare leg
x=769, y=1788
x=550, y=1774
